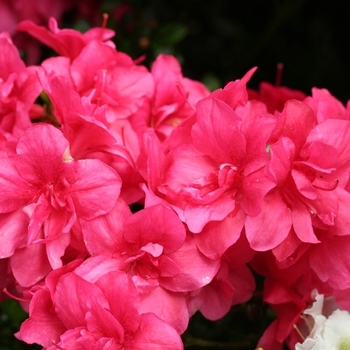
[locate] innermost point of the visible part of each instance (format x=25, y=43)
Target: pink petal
x=217, y=299
x=217, y=236
x=216, y=127
x=195, y=269
x=120, y=284
x=38, y=268
x=254, y=188
x=157, y=224
x=43, y=325
x=154, y=334
x=302, y=223
x=104, y=234
x=41, y=149
x=268, y=229
x=72, y=297
x=331, y=262
x=14, y=190
x=299, y=119
x=94, y=180
x=169, y=306
x=101, y=323
x=13, y=232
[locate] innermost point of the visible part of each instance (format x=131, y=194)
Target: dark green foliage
x=11, y=317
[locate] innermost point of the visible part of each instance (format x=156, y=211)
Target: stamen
x=57, y=346
x=100, y=85
x=140, y=59
x=104, y=20
x=9, y=294
x=279, y=70
x=298, y=331
x=307, y=322
x=336, y=182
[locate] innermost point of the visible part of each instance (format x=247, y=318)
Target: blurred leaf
x=171, y=34
x=11, y=317
x=211, y=81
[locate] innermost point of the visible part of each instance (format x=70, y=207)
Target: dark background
x=218, y=41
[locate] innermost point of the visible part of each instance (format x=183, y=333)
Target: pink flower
x=38, y=11
x=151, y=244
x=326, y=106
x=110, y=78
x=233, y=284
x=274, y=97
x=85, y=126
x=19, y=87
x=43, y=192
x=224, y=168
x=309, y=161
x=66, y=42
x=173, y=101
x=87, y=314
x=152, y=247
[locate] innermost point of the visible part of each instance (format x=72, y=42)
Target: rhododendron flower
x=39, y=11
x=19, y=87
x=111, y=78
x=85, y=127
x=151, y=244
x=152, y=247
x=66, y=42
x=233, y=284
x=43, y=192
x=309, y=162
x=99, y=315
x=225, y=166
x=173, y=101
x=274, y=97
x=326, y=106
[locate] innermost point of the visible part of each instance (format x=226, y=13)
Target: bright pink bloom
x=152, y=244
x=19, y=87
x=309, y=162
x=233, y=283
x=326, y=106
x=288, y=305
x=152, y=247
x=223, y=170
x=44, y=191
x=110, y=78
x=85, y=127
x=14, y=11
x=83, y=314
x=66, y=42
x=274, y=97
x=173, y=101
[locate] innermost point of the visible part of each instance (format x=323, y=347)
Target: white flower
x=332, y=333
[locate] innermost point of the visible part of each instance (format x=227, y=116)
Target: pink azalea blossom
x=152, y=247
x=70, y=312
x=233, y=284
x=110, y=78
x=208, y=180
x=44, y=191
x=274, y=97
x=88, y=132
x=19, y=87
x=66, y=42
x=151, y=244
x=173, y=100
x=309, y=162
x=326, y=106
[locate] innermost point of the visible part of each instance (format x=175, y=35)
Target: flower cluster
x=132, y=198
